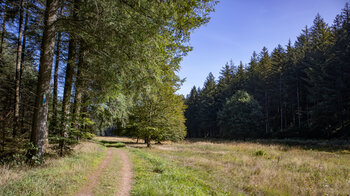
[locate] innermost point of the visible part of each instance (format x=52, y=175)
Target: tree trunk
x=39, y=129
x=267, y=127
x=285, y=116
x=68, y=84
x=22, y=65
x=308, y=115
x=79, y=86
x=298, y=100
x=55, y=79
x=148, y=142
x=3, y=131
x=3, y=31
x=67, y=92
x=18, y=70
x=281, y=104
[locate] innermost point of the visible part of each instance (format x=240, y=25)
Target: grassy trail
x=112, y=177
x=92, y=170
x=58, y=176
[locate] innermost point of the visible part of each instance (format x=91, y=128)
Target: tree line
x=298, y=91
x=72, y=68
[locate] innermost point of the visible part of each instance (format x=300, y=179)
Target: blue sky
x=239, y=27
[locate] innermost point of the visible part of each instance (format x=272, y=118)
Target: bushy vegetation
x=115, y=145
x=235, y=118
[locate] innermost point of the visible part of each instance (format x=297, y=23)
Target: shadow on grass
x=337, y=146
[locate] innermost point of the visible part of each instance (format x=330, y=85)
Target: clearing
x=188, y=168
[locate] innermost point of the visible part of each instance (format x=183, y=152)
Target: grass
x=240, y=168
x=157, y=176
x=61, y=176
x=193, y=168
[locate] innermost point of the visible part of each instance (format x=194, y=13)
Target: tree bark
x=67, y=92
x=298, y=100
x=148, y=141
x=267, y=126
x=281, y=104
x=22, y=65
x=68, y=84
x=79, y=86
x=55, y=78
x=3, y=30
x=18, y=70
x=39, y=128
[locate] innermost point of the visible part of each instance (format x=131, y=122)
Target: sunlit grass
x=61, y=176
x=234, y=168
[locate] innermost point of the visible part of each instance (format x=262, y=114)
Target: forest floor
x=195, y=167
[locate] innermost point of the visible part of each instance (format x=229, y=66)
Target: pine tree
x=241, y=117
x=207, y=108
x=40, y=125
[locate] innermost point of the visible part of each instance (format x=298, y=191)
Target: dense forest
x=298, y=91
x=69, y=69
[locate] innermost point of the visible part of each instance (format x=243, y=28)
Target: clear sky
x=239, y=27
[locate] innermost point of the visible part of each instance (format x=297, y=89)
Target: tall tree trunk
x=39, y=129
x=3, y=30
x=22, y=64
x=267, y=127
x=68, y=84
x=285, y=116
x=308, y=115
x=55, y=78
x=67, y=92
x=298, y=100
x=18, y=70
x=79, y=85
x=281, y=104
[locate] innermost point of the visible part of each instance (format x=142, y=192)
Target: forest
x=70, y=69
x=299, y=91
x=90, y=104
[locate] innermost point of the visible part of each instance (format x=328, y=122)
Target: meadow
x=193, y=167
x=281, y=167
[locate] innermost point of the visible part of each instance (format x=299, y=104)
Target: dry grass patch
x=7, y=174
x=267, y=169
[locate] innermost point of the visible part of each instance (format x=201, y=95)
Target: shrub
x=115, y=145
x=260, y=153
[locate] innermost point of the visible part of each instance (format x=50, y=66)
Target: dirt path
x=124, y=186
x=93, y=178
x=125, y=182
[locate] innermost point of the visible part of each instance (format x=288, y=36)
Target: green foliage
x=241, y=116
x=159, y=115
x=260, y=153
x=115, y=145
